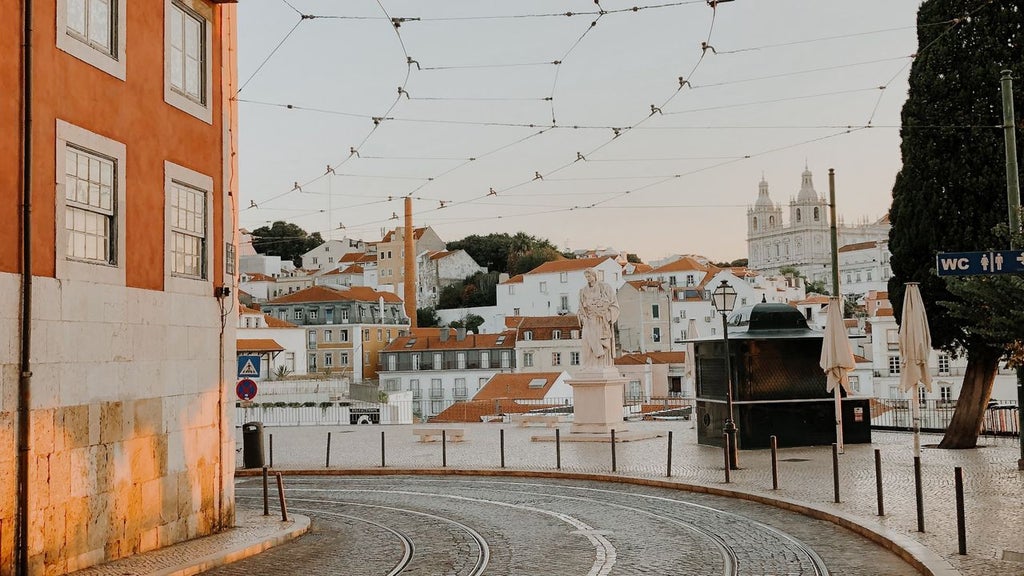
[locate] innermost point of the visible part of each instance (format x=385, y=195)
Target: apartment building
x=127, y=168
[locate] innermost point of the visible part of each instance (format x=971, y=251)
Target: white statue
x=597, y=313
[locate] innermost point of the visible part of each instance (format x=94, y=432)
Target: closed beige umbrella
x=915, y=348
x=837, y=360
x=690, y=362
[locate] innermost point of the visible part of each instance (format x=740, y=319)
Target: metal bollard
x=444, y=450
x=668, y=466
x=280, y=496
x=266, y=496
x=878, y=481
x=775, y=462
x=919, y=494
x=381, y=448
x=328, y=463
x=835, y=471
x=502, y=437
x=613, y=449
x=961, y=524
x=725, y=452
x=558, y=449
x=271, y=450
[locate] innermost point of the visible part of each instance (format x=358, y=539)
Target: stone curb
x=923, y=559
x=300, y=525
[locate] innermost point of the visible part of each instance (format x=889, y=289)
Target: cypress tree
x=950, y=194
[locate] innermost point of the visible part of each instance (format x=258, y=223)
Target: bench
x=434, y=434
x=547, y=420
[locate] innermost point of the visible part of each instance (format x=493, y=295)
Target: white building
x=261, y=264
x=279, y=343
x=437, y=269
x=547, y=343
x=553, y=288
x=645, y=322
x=350, y=275
x=442, y=366
x=805, y=242
x=328, y=255
x=864, y=267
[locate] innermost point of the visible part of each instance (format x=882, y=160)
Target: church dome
x=807, y=193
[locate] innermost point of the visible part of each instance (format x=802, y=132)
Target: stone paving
x=994, y=488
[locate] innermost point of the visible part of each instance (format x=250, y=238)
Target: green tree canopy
x=427, y=318
x=479, y=289
x=285, y=240
x=500, y=251
x=951, y=191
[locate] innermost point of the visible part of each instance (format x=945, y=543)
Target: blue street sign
x=979, y=263
x=248, y=366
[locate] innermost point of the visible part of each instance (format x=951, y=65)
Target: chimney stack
x=409, y=265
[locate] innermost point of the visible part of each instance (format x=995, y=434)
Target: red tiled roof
x=568, y=265
x=470, y=342
x=656, y=358
x=474, y=410
x=517, y=386
x=278, y=323
x=684, y=264
x=858, y=246
x=258, y=345
x=884, y=312
x=638, y=284
x=258, y=277
x=416, y=234
x=243, y=309
x=814, y=300
x=328, y=294
x=569, y=321
x=440, y=254
x=640, y=267
x=517, y=279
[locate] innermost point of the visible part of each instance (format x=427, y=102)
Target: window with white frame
x=656, y=334
x=946, y=394
x=93, y=31
x=892, y=338
x=894, y=365
x=189, y=230
x=528, y=359
x=342, y=335
x=556, y=358
x=528, y=335
x=328, y=359
x=90, y=213
x=298, y=314
x=574, y=358
x=188, y=39
x=563, y=302
x=556, y=334
x=485, y=359
x=392, y=362
x=312, y=363
x=655, y=311
x=855, y=384
x=415, y=361
x=505, y=360
x=460, y=360
x=944, y=364
x=343, y=358
x=922, y=395
x=438, y=364
x=89, y=205
x=313, y=314
x=311, y=339
x=328, y=335
x=543, y=287
x=563, y=277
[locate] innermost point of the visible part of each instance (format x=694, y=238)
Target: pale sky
x=793, y=82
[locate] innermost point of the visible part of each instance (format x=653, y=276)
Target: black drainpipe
x=25, y=373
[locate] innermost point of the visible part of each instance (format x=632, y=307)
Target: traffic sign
x=246, y=389
x=979, y=263
x=248, y=366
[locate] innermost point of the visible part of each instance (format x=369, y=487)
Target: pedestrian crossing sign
x=248, y=366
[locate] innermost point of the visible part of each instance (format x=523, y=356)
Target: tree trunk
x=964, y=428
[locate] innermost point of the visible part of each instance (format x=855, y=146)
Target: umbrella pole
x=839, y=418
x=915, y=411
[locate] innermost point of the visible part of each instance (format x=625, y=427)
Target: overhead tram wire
x=269, y=56
x=558, y=62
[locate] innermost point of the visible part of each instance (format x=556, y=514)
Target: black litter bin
x=252, y=445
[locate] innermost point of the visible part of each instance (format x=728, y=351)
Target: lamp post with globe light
x=724, y=299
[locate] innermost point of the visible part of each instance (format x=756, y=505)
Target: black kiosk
x=778, y=385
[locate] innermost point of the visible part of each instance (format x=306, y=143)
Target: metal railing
x=896, y=414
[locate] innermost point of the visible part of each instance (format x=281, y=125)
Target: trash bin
x=252, y=445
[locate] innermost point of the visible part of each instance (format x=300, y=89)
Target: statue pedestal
x=597, y=402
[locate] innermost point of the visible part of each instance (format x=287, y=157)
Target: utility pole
x=834, y=232
x=1013, y=203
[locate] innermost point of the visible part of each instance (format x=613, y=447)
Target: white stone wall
x=131, y=443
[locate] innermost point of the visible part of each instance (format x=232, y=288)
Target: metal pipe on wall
x=25, y=371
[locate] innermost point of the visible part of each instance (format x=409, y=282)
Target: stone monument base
x=597, y=409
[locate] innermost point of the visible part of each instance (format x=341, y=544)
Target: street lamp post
x=724, y=299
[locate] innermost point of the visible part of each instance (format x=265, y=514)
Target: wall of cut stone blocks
x=130, y=447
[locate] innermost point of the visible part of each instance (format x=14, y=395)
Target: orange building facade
x=132, y=192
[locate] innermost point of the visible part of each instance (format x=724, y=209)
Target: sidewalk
x=994, y=488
